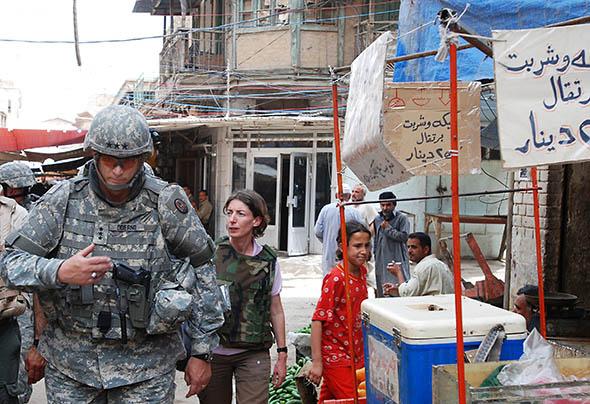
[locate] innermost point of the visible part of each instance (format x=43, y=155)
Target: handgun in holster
x=133, y=286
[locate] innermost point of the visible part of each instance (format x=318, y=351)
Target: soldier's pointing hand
x=81, y=269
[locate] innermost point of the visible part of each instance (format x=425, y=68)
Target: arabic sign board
x=363, y=149
x=543, y=91
x=377, y=168
x=417, y=126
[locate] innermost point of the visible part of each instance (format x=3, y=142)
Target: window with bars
x=377, y=16
x=386, y=11
x=273, y=12
x=256, y=13
x=323, y=12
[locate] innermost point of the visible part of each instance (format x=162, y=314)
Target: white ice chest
x=405, y=336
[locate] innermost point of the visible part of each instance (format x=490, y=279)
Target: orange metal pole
x=456, y=229
x=539, y=255
x=343, y=234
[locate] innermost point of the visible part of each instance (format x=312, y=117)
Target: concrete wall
x=264, y=49
x=574, y=275
x=488, y=236
x=524, y=260
x=565, y=226
x=318, y=48
x=223, y=178
x=349, y=45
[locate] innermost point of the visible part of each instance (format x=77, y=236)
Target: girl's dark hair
x=351, y=228
x=257, y=206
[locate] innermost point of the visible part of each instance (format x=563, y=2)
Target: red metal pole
x=343, y=234
x=539, y=255
x=456, y=229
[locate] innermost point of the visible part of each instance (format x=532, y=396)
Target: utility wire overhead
x=180, y=33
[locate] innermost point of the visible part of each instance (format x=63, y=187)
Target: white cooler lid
x=427, y=317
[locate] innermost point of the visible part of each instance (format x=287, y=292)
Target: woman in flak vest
x=250, y=273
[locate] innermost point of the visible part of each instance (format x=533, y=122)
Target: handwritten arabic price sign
x=543, y=92
x=377, y=168
x=417, y=126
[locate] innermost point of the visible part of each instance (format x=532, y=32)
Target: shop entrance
x=296, y=203
x=284, y=181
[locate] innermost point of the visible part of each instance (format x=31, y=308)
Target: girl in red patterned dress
x=329, y=327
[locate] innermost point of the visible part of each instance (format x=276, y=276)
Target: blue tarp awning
x=481, y=17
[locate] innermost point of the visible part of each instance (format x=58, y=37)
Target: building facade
x=244, y=100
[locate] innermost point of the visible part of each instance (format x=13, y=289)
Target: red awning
x=21, y=139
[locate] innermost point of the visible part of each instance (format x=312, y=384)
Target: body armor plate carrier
x=250, y=280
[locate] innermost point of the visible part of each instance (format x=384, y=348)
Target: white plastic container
x=404, y=337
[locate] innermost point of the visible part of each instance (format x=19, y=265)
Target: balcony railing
x=190, y=52
x=367, y=31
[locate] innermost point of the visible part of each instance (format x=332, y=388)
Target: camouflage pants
x=62, y=389
x=25, y=324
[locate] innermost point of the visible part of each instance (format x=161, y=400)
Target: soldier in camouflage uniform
x=17, y=179
x=251, y=276
x=102, y=251
x=13, y=376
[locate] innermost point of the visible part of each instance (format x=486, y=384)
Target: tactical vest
x=131, y=234
x=250, y=279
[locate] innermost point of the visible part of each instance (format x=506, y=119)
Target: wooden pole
x=350, y=321
x=456, y=228
x=539, y=255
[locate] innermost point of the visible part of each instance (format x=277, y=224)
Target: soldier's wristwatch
x=207, y=357
x=282, y=349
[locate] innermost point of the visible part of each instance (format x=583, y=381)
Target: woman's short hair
x=255, y=202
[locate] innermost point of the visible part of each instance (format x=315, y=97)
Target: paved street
x=302, y=278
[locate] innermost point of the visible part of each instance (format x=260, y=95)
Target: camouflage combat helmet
x=17, y=175
x=119, y=131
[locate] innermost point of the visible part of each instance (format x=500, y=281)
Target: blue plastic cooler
x=404, y=337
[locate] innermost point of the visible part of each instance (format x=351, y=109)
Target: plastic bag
x=536, y=365
x=302, y=343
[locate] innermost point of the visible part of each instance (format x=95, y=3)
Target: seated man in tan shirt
x=431, y=276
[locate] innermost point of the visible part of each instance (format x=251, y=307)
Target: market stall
x=386, y=164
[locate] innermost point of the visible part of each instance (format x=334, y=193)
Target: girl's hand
x=315, y=373
x=280, y=371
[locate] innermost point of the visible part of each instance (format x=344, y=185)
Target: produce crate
x=445, y=390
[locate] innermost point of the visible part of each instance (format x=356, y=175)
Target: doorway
x=284, y=181
x=295, y=203
x=284, y=229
